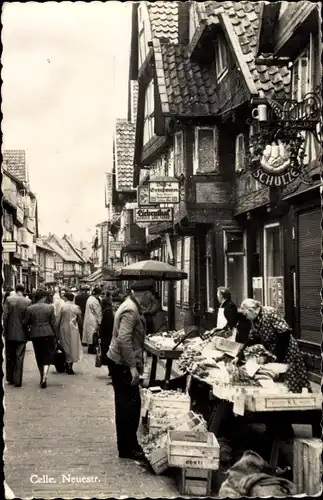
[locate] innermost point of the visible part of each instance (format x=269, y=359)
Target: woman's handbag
x=98, y=357
x=59, y=359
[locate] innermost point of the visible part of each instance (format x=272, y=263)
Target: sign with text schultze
x=148, y=214
x=164, y=190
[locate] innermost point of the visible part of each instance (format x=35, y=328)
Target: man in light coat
x=92, y=318
x=125, y=362
x=14, y=312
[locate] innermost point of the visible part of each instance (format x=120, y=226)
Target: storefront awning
x=96, y=276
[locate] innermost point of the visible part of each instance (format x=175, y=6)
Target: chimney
x=183, y=22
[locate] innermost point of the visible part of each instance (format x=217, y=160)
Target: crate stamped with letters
x=193, y=449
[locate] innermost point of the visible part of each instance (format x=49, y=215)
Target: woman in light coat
x=92, y=318
x=69, y=327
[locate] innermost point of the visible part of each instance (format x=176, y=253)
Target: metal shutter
x=309, y=254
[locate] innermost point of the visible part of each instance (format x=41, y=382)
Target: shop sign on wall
x=143, y=196
x=115, y=246
x=148, y=214
x=164, y=190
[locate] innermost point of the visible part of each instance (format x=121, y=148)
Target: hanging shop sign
x=115, y=246
x=277, y=148
x=164, y=190
x=143, y=197
x=147, y=214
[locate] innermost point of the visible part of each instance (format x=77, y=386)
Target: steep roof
x=164, y=20
x=190, y=88
x=125, y=150
x=74, y=247
x=14, y=161
x=245, y=20
x=57, y=245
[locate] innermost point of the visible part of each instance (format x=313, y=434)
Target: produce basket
x=193, y=449
x=171, y=400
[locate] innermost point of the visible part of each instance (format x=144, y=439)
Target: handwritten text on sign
x=154, y=214
x=164, y=191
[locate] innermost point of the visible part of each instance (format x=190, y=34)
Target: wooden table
x=223, y=410
x=168, y=354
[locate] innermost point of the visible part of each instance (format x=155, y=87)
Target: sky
x=65, y=77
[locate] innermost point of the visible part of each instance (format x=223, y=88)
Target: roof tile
x=125, y=148
x=14, y=161
x=164, y=20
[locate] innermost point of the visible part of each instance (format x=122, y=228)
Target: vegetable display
x=259, y=354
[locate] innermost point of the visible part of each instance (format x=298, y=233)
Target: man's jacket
x=128, y=335
x=14, y=312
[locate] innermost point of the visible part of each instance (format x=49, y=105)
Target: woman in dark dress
x=106, y=327
x=40, y=318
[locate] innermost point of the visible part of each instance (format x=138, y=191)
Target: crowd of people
x=118, y=324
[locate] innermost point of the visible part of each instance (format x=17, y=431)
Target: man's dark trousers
x=127, y=408
x=15, y=355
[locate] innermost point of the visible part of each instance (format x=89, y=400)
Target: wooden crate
x=195, y=482
x=307, y=465
x=155, y=422
x=286, y=402
x=180, y=402
x=193, y=449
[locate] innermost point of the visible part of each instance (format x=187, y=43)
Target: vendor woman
x=270, y=329
x=227, y=313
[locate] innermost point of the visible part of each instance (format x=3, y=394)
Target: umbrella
x=151, y=269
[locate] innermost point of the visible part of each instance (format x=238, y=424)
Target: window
x=143, y=33
x=149, y=121
x=179, y=266
x=178, y=154
x=221, y=59
x=58, y=266
x=240, y=153
x=302, y=72
x=254, y=184
x=209, y=273
x=205, y=150
x=186, y=269
x=273, y=267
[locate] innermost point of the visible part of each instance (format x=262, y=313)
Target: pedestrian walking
x=81, y=300
x=15, y=334
x=125, y=358
x=58, y=301
x=92, y=319
x=43, y=333
x=106, y=328
x=69, y=327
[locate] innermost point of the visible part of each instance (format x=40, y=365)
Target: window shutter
x=240, y=152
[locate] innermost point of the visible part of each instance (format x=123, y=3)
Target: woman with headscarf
x=40, y=317
x=106, y=327
x=271, y=330
x=69, y=327
x=92, y=319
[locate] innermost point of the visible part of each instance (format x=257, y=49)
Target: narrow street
x=56, y=436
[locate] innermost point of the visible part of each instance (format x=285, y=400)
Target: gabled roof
x=57, y=245
x=14, y=161
x=190, y=89
x=43, y=246
x=124, y=154
x=74, y=247
x=244, y=23
x=164, y=20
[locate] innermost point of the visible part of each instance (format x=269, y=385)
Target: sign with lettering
x=164, y=190
x=148, y=214
x=143, y=197
x=276, y=165
x=115, y=246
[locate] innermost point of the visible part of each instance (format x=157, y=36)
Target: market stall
x=161, y=347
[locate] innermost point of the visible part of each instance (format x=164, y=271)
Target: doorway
x=235, y=264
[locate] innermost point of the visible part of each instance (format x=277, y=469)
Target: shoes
x=70, y=371
x=43, y=384
x=18, y=385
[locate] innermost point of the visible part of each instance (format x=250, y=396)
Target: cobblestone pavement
x=66, y=432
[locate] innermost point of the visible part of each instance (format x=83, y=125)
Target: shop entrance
x=236, y=265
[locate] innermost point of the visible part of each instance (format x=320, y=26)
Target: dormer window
x=221, y=58
x=149, y=121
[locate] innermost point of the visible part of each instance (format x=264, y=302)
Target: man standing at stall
x=125, y=361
